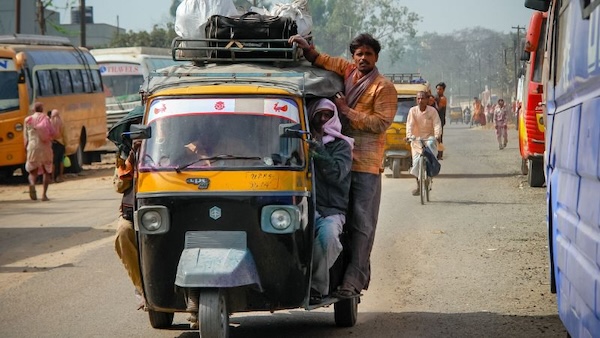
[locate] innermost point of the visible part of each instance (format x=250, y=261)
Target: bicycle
x=425, y=181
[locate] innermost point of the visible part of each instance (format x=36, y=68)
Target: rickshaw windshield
x=228, y=133
x=404, y=105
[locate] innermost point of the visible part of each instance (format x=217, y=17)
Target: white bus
x=123, y=71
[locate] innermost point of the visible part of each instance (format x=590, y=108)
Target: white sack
x=298, y=11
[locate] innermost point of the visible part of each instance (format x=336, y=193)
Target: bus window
x=64, y=81
x=9, y=93
x=44, y=83
x=76, y=81
x=96, y=81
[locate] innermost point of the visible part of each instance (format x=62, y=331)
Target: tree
x=158, y=37
x=336, y=22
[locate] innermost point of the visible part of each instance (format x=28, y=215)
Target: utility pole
x=516, y=48
x=82, y=23
x=18, y=17
x=41, y=17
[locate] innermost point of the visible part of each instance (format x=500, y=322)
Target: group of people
x=45, y=144
x=347, y=147
x=497, y=114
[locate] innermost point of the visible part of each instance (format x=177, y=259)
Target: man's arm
x=409, y=124
x=322, y=60
x=384, y=110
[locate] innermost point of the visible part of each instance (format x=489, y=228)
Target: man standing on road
x=367, y=110
x=501, y=123
x=441, y=107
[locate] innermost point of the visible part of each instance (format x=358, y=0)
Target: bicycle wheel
x=422, y=178
x=428, y=187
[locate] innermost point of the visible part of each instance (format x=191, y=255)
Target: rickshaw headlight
x=152, y=219
x=280, y=219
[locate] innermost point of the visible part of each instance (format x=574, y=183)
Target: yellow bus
x=49, y=70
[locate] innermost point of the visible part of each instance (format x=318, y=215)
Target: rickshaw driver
x=332, y=154
x=367, y=110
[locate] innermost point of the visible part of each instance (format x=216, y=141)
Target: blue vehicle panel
x=573, y=165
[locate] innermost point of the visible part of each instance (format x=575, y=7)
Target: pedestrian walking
x=501, y=123
x=39, y=134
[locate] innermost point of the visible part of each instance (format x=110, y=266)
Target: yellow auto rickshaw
x=397, y=154
x=225, y=202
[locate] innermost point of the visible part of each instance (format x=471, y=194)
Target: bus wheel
x=77, y=161
x=524, y=168
x=536, y=173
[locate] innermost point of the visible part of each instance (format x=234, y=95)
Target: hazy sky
x=441, y=16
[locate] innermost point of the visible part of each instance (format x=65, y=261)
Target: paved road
x=472, y=263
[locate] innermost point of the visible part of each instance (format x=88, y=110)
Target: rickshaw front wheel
x=346, y=312
x=396, y=168
x=213, y=315
x=160, y=320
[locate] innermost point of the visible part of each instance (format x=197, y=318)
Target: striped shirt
x=369, y=120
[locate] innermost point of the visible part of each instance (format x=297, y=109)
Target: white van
x=123, y=71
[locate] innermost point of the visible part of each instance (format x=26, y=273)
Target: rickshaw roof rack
x=301, y=78
x=202, y=51
x=398, y=78
x=33, y=39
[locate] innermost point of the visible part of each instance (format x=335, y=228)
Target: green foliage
x=158, y=37
x=336, y=22
x=467, y=60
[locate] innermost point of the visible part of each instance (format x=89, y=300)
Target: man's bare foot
x=45, y=198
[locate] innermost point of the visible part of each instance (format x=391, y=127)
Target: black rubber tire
x=536, y=178
x=345, y=312
x=160, y=320
x=524, y=167
x=422, y=179
x=213, y=316
x=396, y=168
x=76, y=161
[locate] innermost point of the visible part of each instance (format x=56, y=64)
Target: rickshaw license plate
x=262, y=181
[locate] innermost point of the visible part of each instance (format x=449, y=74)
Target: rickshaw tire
x=396, y=168
x=346, y=312
x=213, y=315
x=160, y=320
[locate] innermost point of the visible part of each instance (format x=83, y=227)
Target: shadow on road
x=21, y=243
x=410, y=324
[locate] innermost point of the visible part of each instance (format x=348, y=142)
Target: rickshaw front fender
x=216, y=268
x=397, y=154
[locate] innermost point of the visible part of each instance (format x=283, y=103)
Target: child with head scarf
x=332, y=155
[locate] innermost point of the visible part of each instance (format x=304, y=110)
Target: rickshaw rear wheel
x=213, y=315
x=346, y=312
x=160, y=320
x=396, y=168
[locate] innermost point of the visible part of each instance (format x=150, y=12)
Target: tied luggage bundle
x=265, y=35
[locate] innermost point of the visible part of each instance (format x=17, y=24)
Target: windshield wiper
x=212, y=159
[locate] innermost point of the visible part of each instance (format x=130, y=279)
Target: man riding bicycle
x=424, y=123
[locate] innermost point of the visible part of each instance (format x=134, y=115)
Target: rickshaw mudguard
x=397, y=154
x=216, y=259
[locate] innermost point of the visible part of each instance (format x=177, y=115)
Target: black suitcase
x=251, y=26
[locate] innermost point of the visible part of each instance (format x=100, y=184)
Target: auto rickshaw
x=397, y=155
x=225, y=191
x=455, y=115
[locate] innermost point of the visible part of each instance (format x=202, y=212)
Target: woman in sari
x=38, y=141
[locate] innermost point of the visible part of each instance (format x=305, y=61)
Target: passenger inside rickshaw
x=200, y=140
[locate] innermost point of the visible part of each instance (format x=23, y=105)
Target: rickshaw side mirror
x=291, y=130
x=138, y=132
